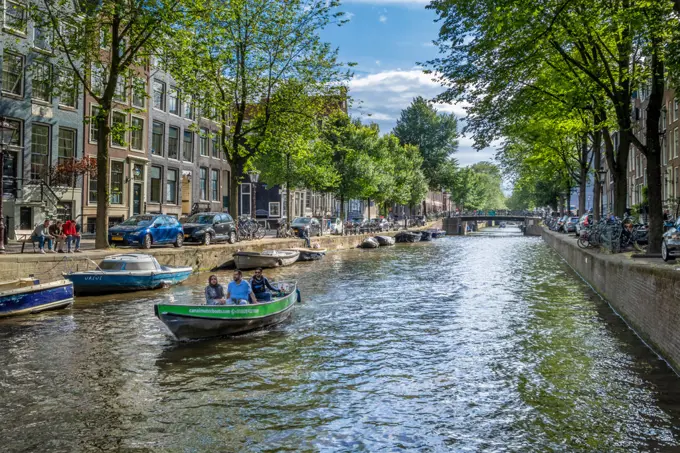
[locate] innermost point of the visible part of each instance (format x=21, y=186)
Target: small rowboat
x=425, y=236
x=407, y=236
x=385, y=240
x=369, y=243
x=309, y=254
x=127, y=272
x=268, y=258
x=27, y=296
x=191, y=322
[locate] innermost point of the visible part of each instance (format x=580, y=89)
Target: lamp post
x=7, y=131
x=254, y=177
x=601, y=178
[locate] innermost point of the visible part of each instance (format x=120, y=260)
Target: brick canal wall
x=646, y=295
x=50, y=267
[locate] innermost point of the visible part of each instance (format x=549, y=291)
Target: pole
x=254, y=213
x=2, y=198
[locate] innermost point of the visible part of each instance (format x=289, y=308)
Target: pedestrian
x=72, y=236
x=57, y=232
x=42, y=235
x=305, y=236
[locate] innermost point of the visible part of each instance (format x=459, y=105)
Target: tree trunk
x=653, y=153
x=597, y=163
x=235, y=180
x=583, y=176
x=342, y=208
x=101, y=240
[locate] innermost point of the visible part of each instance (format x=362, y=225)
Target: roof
x=130, y=257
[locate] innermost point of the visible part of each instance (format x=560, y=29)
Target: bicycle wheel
x=260, y=233
x=583, y=243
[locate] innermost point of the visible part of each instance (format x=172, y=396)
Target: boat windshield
x=111, y=265
x=141, y=266
x=138, y=220
x=201, y=218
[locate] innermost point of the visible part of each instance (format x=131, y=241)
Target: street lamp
x=254, y=177
x=7, y=131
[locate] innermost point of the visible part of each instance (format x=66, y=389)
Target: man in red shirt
x=72, y=235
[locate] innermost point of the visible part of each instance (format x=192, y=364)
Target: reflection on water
x=479, y=343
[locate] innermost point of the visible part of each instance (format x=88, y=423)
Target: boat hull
x=246, y=260
x=369, y=243
x=97, y=282
x=384, y=240
x=34, y=299
x=193, y=322
x=425, y=236
x=309, y=254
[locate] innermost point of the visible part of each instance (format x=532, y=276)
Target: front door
x=25, y=218
x=137, y=199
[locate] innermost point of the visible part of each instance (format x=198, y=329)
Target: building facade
x=40, y=97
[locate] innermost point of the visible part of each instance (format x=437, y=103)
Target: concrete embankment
x=646, y=295
x=202, y=258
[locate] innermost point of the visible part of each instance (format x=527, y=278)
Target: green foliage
x=435, y=134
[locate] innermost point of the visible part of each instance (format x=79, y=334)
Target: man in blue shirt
x=239, y=291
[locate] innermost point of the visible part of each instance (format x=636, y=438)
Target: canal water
x=487, y=343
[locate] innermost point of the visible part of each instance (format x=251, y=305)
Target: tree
x=239, y=58
x=435, y=134
x=99, y=48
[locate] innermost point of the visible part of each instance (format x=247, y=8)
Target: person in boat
x=239, y=291
x=214, y=292
x=261, y=286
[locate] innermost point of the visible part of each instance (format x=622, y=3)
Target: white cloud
x=381, y=97
x=349, y=16
x=382, y=18
x=428, y=44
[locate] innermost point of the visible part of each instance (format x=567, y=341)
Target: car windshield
x=138, y=220
x=574, y=219
x=302, y=221
x=201, y=218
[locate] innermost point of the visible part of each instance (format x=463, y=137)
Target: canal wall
x=646, y=295
x=50, y=267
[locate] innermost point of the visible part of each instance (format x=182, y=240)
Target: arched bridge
x=458, y=225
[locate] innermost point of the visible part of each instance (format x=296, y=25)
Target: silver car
x=670, y=247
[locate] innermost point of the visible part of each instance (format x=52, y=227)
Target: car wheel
x=664, y=252
x=179, y=241
x=146, y=243
x=206, y=239
x=232, y=238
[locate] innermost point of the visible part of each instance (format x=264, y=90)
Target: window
x=274, y=209
x=203, y=182
x=139, y=92
x=68, y=88
x=94, y=129
x=245, y=199
x=17, y=137
x=118, y=132
x=188, y=147
x=214, y=185
x=173, y=101
x=217, y=146
x=171, y=188
x=41, y=38
x=203, y=142
x=92, y=191
x=13, y=73
x=117, y=170
x=188, y=109
x=40, y=151
x=158, y=139
x=67, y=145
x=15, y=15
x=159, y=95
x=675, y=110
x=137, y=133
x=155, y=181
x=97, y=78
x=675, y=182
x=675, y=143
x=41, y=80
x=173, y=143
x=120, y=93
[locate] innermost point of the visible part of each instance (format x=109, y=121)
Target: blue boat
x=127, y=272
x=27, y=295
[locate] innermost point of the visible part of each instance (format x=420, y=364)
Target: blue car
x=147, y=229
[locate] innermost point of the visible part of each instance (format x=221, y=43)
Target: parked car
x=383, y=224
x=147, y=229
x=583, y=222
x=208, y=227
x=570, y=225
x=670, y=245
x=335, y=225
x=309, y=224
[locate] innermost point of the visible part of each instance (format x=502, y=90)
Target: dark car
x=147, y=229
x=208, y=227
x=670, y=245
x=309, y=224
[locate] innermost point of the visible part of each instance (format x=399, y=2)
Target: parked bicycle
x=249, y=228
x=284, y=230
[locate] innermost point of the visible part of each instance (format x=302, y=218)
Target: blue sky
x=387, y=38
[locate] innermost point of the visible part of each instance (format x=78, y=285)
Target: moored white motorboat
x=265, y=259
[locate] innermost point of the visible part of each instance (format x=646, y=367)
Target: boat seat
x=14, y=284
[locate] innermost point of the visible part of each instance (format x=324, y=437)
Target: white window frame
x=138, y=82
x=122, y=185
x=245, y=195
x=204, y=196
x=131, y=131
x=164, y=100
x=177, y=98
x=23, y=75
x=49, y=40
x=126, y=137
x=160, y=188
x=178, y=184
x=22, y=4
x=272, y=205
x=90, y=139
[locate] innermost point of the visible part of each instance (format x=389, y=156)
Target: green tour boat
x=190, y=322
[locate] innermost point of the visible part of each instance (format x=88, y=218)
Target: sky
x=387, y=39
